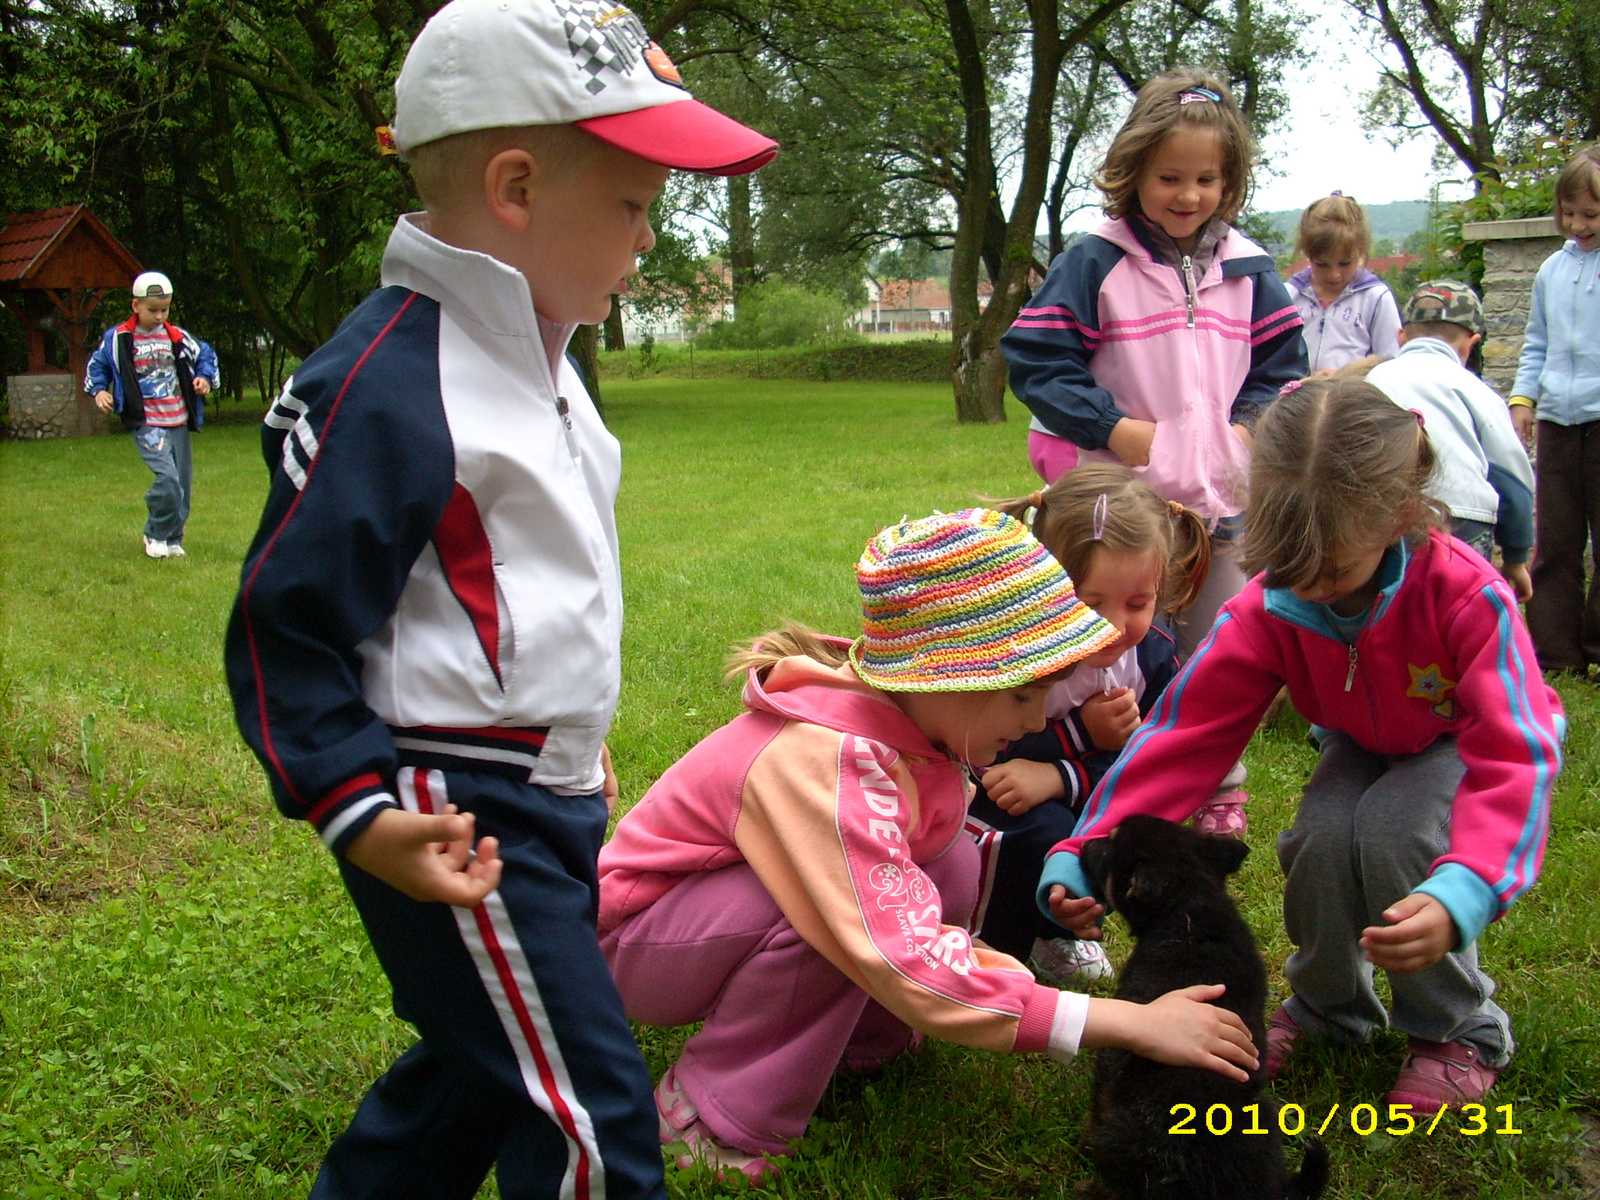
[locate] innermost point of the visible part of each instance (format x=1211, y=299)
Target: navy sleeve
x=1049, y=347
x=364, y=471
x=1158, y=663
x=1277, y=349
x=1513, y=527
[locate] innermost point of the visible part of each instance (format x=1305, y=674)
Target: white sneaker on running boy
x=679, y=1123
x=155, y=549
x=175, y=550
x=1062, y=962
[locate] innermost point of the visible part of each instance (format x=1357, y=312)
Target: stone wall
x=1512, y=254
x=42, y=406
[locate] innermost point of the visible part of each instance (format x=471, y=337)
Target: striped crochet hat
x=967, y=602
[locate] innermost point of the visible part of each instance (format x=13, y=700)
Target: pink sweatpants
x=1051, y=456
x=779, y=1018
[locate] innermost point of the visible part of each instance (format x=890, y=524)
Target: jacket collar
x=1230, y=244
x=477, y=285
x=1285, y=605
x=1431, y=345
x=1359, y=282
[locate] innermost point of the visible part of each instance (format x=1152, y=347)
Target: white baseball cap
x=150, y=285
x=484, y=64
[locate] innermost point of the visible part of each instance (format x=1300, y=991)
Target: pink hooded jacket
x=834, y=797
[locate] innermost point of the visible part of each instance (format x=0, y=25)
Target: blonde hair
x=1105, y=505
x=1357, y=369
x=442, y=168
x=1579, y=178
x=1158, y=110
x=1336, y=464
x=790, y=641
x=1333, y=223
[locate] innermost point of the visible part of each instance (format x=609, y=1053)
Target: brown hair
x=1336, y=464
x=440, y=168
x=792, y=640
x=1334, y=223
x=1131, y=517
x=1159, y=109
x=1356, y=369
x=1579, y=178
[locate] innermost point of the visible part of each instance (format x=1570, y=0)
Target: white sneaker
x=1062, y=962
x=155, y=549
x=175, y=550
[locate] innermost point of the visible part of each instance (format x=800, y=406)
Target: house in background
x=904, y=306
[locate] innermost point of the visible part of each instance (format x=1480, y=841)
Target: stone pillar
x=1512, y=253
x=42, y=406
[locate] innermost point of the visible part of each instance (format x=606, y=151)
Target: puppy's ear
x=1224, y=855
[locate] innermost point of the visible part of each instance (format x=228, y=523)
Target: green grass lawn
x=187, y=1004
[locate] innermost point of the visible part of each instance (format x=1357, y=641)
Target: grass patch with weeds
x=188, y=1006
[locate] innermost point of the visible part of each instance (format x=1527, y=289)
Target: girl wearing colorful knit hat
x=800, y=881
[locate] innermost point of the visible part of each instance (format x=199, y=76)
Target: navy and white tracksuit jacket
x=1013, y=848
x=431, y=613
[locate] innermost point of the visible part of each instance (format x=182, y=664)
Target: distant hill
x=1394, y=220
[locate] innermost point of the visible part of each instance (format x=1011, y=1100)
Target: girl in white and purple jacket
x=1158, y=339
x=1349, y=313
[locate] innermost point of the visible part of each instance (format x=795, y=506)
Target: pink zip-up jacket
x=1115, y=331
x=1444, y=652
x=834, y=797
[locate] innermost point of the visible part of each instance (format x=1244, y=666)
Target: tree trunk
x=612, y=329
x=585, y=348
x=741, y=238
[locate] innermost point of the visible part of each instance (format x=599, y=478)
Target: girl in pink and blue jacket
x=1428, y=812
x=1158, y=339
x=800, y=881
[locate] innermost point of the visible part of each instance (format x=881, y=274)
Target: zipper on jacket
x=564, y=410
x=1350, y=676
x=1188, y=286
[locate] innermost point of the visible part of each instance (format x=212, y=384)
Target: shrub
x=775, y=314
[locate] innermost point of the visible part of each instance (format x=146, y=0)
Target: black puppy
x=1152, y=1125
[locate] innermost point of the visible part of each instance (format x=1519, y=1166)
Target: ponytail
x=791, y=641
x=1190, y=562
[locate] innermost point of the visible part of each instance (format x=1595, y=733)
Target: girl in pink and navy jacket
x=1158, y=339
x=1427, y=814
x=812, y=850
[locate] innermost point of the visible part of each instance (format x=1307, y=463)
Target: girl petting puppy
x=800, y=881
x=1133, y=557
x=1427, y=814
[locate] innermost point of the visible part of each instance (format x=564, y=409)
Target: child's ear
x=1225, y=855
x=508, y=180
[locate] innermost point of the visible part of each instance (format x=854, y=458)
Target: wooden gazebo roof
x=62, y=248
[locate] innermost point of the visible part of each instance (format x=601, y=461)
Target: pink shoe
x=1223, y=816
x=1282, y=1037
x=1438, y=1073
x=679, y=1124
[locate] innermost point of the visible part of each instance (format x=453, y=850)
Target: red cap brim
x=687, y=136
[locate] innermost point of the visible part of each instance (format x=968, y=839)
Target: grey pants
x=1368, y=829
x=166, y=452
x=1227, y=580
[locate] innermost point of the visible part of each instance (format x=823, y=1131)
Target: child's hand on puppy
x=1081, y=915
x=1180, y=1029
x=1421, y=932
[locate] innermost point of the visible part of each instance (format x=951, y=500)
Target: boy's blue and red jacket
x=1121, y=329
x=435, y=573
x=111, y=370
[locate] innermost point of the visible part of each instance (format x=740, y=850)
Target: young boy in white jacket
x=1484, y=476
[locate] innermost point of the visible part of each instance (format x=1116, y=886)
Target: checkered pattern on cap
x=601, y=38
x=1445, y=300
x=967, y=602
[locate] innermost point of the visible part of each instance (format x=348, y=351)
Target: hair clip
x=1417, y=413
x=1100, y=516
x=1197, y=95
x=1036, y=500
x=1337, y=192
x=1294, y=385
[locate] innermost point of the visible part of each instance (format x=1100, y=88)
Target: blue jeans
x=166, y=452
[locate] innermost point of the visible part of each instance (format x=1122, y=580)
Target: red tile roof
x=28, y=240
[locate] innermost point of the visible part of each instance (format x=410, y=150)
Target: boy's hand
x=428, y=857
x=1182, y=1029
x=610, y=788
x=202, y=386
x=1080, y=915
x=1243, y=433
x=104, y=401
x=1521, y=582
x=1020, y=785
x=1111, y=718
x=1523, y=419
x=1130, y=441
x=1420, y=933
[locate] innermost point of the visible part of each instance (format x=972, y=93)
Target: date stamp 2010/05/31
x=1471, y=1120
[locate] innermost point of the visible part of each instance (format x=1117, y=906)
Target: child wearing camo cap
x=801, y=883
x=425, y=649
